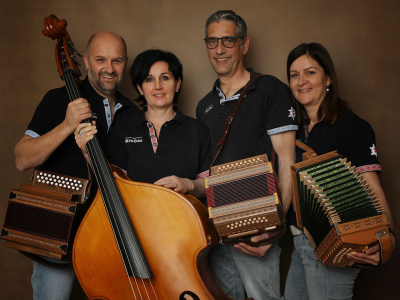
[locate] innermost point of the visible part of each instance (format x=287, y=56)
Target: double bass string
x=74, y=93
x=93, y=148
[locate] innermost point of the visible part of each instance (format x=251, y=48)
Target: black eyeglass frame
x=222, y=40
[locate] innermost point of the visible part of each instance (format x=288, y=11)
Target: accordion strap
x=303, y=146
x=228, y=121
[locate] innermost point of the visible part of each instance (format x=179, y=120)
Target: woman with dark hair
x=160, y=144
x=327, y=124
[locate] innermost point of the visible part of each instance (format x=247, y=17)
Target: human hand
x=371, y=256
x=255, y=251
x=182, y=185
x=77, y=111
x=84, y=132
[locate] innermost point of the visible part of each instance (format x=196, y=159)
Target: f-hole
x=192, y=295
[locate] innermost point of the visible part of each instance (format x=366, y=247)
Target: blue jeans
x=307, y=281
x=236, y=272
x=52, y=283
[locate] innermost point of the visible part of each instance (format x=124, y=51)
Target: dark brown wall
x=362, y=37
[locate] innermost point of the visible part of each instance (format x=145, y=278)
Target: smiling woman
x=160, y=144
x=328, y=124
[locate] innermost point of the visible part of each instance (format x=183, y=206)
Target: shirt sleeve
x=359, y=146
x=205, y=154
x=280, y=115
x=115, y=150
x=49, y=113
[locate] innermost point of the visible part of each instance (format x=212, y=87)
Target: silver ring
x=80, y=132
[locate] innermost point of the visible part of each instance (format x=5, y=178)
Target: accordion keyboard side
x=243, y=200
x=78, y=187
x=43, y=220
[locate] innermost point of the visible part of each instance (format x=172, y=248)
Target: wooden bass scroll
x=137, y=241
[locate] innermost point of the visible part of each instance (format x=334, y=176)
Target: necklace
x=147, y=118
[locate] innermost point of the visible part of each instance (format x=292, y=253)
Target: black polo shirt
x=350, y=135
x=182, y=148
x=267, y=109
x=67, y=158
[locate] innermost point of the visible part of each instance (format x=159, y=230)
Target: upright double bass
x=137, y=240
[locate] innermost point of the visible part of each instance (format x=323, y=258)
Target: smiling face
x=105, y=62
x=159, y=87
x=308, y=81
x=226, y=61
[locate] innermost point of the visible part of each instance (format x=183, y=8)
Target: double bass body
x=174, y=233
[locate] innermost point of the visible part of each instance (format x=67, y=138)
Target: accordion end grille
x=38, y=221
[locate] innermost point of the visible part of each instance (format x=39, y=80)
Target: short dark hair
x=228, y=15
x=144, y=61
x=332, y=106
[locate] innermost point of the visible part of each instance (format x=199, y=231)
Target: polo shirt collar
x=217, y=88
x=140, y=118
x=87, y=86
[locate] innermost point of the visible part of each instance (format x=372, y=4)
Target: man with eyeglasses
x=264, y=118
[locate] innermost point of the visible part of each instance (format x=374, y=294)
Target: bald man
x=49, y=141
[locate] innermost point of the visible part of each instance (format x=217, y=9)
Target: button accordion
x=243, y=201
x=337, y=210
x=43, y=216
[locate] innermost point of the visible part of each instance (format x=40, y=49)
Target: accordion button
x=39, y=180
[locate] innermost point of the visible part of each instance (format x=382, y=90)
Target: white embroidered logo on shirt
x=133, y=139
x=292, y=113
x=209, y=108
x=373, y=150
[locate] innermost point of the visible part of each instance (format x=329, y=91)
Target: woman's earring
x=177, y=90
x=327, y=88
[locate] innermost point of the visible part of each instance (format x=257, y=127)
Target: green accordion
x=337, y=210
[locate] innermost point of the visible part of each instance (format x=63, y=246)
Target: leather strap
x=228, y=121
x=385, y=245
x=303, y=146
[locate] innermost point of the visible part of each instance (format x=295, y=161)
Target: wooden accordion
x=43, y=216
x=243, y=201
x=337, y=210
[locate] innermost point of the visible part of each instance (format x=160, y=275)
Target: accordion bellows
x=242, y=199
x=336, y=209
x=43, y=217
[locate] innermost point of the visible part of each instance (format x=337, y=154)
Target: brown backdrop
x=362, y=37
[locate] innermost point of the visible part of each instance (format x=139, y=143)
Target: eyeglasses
x=227, y=41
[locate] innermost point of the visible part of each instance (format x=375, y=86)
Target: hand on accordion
x=255, y=251
x=371, y=256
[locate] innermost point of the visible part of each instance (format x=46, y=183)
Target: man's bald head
x=106, y=59
x=105, y=36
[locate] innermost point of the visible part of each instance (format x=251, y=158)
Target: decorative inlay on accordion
x=43, y=216
x=243, y=201
x=337, y=210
